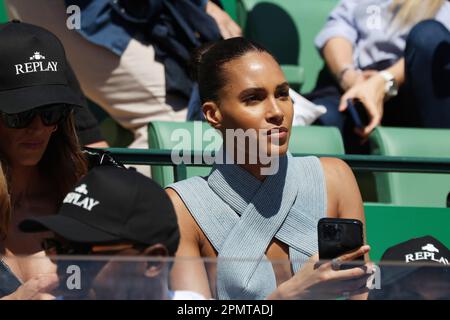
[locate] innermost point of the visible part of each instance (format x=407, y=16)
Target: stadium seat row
x=406, y=189
x=289, y=35
x=410, y=199
x=288, y=28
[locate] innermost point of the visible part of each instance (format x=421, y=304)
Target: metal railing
x=356, y=162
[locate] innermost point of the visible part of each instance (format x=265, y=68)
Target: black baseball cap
x=406, y=258
x=34, y=69
x=113, y=204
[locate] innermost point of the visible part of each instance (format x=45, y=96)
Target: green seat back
x=389, y=225
x=288, y=29
x=188, y=136
x=180, y=135
x=3, y=14
x=328, y=140
x=412, y=189
x=316, y=140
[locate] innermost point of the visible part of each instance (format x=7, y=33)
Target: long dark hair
x=5, y=207
x=63, y=162
x=209, y=60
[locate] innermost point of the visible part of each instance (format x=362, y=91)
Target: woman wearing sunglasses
x=39, y=149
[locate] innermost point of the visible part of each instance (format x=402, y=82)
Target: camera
x=331, y=232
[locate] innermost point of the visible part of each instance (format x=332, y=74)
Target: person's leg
x=327, y=93
x=427, y=64
x=333, y=117
x=130, y=88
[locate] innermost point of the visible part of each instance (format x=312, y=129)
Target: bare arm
x=338, y=55
x=343, y=191
x=322, y=281
x=188, y=272
x=344, y=197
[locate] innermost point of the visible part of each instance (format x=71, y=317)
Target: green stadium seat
x=412, y=189
x=3, y=14
x=313, y=140
x=168, y=135
x=389, y=225
x=316, y=140
x=288, y=28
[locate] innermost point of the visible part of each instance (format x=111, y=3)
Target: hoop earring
x=55, y=128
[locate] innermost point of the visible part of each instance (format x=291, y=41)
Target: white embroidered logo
x=82, y=189
x=80, y=199
x=37, y=64
x=430, y=247
x=37, y=56
x=428, y=253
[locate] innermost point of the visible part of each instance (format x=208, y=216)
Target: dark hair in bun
x=208, y=62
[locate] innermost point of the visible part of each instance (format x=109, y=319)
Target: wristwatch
x=391, y=88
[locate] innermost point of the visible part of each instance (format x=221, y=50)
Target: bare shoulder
x=189, y=229
x=188, y=274
x=336, y=169
x=342, y=189
x=177, y=202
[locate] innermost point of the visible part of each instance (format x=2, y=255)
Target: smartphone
x=339, y=236
x=357, y=113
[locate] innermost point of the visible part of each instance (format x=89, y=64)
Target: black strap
x=99, y=157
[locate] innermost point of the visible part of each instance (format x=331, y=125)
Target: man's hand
x=228, y=28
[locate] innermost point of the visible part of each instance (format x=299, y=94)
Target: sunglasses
x=56, y=247
x=50, y=115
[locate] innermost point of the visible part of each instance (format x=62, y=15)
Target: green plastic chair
x=316, y=140
x=3, y=13
x=412, y=189
x=288, y=28
x=170, y=135
x=164, y=135
x=389, y=225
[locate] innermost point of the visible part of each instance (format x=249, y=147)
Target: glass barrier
x=143, y=278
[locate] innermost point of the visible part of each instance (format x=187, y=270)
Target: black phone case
x=339, y=236
x=358, y=113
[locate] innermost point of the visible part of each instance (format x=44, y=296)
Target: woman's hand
x=325, y=281
x=37, y=288
x=228, y=28
x=355, y=76
x=371, y=93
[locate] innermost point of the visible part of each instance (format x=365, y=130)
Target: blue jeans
x=424, y=99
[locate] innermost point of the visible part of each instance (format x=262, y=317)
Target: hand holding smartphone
x=358, y=113
x=338, y=237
